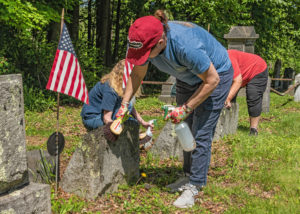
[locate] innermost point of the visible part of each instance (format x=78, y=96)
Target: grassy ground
x=247, y=174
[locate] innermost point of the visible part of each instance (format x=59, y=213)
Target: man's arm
x=236, y=85
x=137, y=75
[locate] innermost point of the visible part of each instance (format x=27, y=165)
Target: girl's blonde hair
x=115, y=78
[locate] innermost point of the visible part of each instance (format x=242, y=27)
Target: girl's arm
x=138, y=117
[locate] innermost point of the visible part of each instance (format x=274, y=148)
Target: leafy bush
x=35, y=100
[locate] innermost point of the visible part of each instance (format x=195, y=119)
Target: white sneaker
x=186, y=199
x=178, y=184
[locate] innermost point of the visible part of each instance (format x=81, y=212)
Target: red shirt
x=246, y=64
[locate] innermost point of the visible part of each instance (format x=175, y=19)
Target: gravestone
x=166, y=94
x=297, y=90
x=37, y=166
x=289, y=73
x=228, y=122
x=17, y=195
x=277, y=84
x=98, y=166
x=167, y=144
x=242, y=38
x=266, y=97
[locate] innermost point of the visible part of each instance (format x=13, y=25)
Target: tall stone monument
x=243, y=38
x=17, y=195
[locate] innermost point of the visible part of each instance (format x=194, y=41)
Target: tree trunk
x=117, y=32
x=73, y=27
x=89, y=23
x=108, y=53
x=102, y=28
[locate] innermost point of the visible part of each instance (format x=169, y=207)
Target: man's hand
x=227, y=104
x=179, y=114
x=122, y=110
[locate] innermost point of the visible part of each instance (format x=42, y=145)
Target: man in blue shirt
x=204, y=75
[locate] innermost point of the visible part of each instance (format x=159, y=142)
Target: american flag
x=66, y=76
x=127, y=71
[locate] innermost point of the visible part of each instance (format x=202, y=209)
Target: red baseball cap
x=143, y=34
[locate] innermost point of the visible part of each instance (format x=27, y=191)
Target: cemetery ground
x=247, y=174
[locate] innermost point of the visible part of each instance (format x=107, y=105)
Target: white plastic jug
x=185, y=136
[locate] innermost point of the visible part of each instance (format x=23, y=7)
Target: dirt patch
x=36, y=140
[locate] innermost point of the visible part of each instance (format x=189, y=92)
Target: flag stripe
x=60, y=54
x=70, y=78
x=52, y=70
x=64, y=71
x=73, y=80
x=60, y=68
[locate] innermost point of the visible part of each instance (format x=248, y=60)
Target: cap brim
x=137, y=57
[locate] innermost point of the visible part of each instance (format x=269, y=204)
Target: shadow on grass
x=243, y=128
x=161, y=176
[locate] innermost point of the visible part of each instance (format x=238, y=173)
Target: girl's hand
x=147, y=124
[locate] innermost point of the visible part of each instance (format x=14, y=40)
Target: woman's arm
x=236, y=84
x=210, y=81
x=137, y=75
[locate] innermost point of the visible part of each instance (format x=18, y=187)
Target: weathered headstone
x=167, y=144
x=33, y=198
x=277, y=83
x=289, y=73
x=228, y=122
x=242, y=38
x=13, y=165
x=17, y=195
x=166, y=93
x=98, y=166
x=297, y=90
x=39, y=166
x=266, y=97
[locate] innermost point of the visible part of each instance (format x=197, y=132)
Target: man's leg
x=254, y=91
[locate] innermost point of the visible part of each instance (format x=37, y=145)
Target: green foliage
x=64, y=206
x=35, y=100
x=45, y=171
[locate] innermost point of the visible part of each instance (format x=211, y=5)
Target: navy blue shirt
x=101, y=97
x=190, y=50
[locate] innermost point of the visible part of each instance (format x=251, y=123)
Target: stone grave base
x=33, y=198
x=98, y=166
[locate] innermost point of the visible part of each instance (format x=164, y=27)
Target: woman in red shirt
x=250, y=70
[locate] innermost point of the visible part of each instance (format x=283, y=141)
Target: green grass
x=253, y=175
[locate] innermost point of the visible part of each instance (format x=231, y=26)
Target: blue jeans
x=203, y=123
x=93, y=123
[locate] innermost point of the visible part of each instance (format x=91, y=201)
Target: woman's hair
x=115, y=79
x=161, y=16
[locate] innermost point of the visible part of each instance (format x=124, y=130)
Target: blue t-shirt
x=101, y=97
x=190, y=50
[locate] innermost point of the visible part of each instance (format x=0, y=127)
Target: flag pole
x=57, y=119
